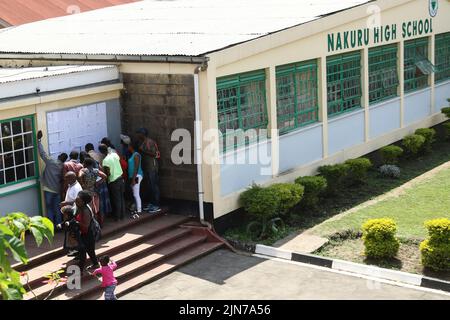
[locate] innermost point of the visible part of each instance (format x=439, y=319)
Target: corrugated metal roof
x=165, y=28
x=20, y=74
x=16, y=12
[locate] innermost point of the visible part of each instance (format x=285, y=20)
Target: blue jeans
x=109, y=292
x=152, y=180
x=52, y=202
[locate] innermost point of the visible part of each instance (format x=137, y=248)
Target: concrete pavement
x=226, y=275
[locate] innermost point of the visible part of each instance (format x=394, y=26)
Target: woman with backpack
x=88, y=228
x=90, y=179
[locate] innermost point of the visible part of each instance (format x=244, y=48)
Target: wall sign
x=433, y=6
x=353, y=39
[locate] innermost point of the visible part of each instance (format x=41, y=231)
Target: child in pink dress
x=109, y=282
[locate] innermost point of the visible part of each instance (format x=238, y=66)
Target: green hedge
x=335, y=176
x=314, y=186
x=265, y=203
x=447, y=130
x=428, y=134
x=435, y=250
x=357, y=169
x=391, y=154
x=379, y=238
x=446, y=111
x=413, y=143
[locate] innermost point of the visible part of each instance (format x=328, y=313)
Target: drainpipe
x=198, y=145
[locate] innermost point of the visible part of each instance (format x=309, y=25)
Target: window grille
x=297, y=96
x=383, y=73
x=344, y=83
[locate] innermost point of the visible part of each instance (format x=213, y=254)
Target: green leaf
x=5, y=230
x=17, y=248
x=13, y=294
x=37, y=234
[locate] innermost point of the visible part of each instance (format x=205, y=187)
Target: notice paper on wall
x=72, y=129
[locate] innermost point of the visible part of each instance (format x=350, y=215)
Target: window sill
x=17, y=187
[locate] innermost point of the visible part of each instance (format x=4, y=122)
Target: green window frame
x=18, y=151
x=383, y=73
x=415, y=51
x=297, y=95
x=241, y=104
x=344, y=83
x=442, y=57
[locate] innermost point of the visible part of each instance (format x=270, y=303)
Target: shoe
x=146, y=208
x=135, y=216
x=155, y=209
x=73, y=253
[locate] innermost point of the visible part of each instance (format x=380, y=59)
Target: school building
x=318, y=81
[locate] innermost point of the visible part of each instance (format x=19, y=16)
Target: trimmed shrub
x=447, y=130
x=267, y=204
x=390, y=154
x=379, y=238
x=428, y=134
x=435, y=250
x=314, y=186
x=390, y=171
x=272, y=201
x=413, y=143
x=446, y=111
x=335, y=175
x=358, y=168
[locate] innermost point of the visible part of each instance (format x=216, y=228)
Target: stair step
x=109, y=245
x=163, y=269
x=111, y=228
x=92, y=286
x=121, y=258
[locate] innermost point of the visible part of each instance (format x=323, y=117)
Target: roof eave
x=104, y=57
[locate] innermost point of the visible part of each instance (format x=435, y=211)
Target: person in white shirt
x=74, y=187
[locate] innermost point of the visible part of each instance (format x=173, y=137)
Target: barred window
x=241, y=104
x=416, y=52
x=297, y=96
x=344, y=83
x=17, y=151
x=442, y=57
x=383, y=74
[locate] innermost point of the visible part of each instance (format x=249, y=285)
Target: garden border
x=367, y=270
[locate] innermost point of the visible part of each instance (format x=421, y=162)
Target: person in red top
x=84, y=217
x=73, y=165
x=109, y=282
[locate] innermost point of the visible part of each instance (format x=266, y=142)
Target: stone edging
x=362, y=269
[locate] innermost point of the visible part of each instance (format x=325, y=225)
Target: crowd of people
x=83, y=188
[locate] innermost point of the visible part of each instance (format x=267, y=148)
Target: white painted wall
x=345, y=131
x=301, y=147
x=384, y=117
x=237, y=174
x=442, y=93
x=26, y=201
x=417, y=105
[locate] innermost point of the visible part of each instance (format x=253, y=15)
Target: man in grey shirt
x=51, y=181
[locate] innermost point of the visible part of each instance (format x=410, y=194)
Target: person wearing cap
x=150, y=155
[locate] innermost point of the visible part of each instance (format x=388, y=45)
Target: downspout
x=198, y=145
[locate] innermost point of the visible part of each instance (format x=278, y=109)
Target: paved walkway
x=226, y=275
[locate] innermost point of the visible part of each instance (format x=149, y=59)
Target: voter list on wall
x=72, y=129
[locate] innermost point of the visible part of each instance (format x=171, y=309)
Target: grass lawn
x=427, y=200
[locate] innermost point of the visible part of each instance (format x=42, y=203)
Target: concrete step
x=46, y=252
x=92, y=286
x=123, y=258
x=110, y=245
